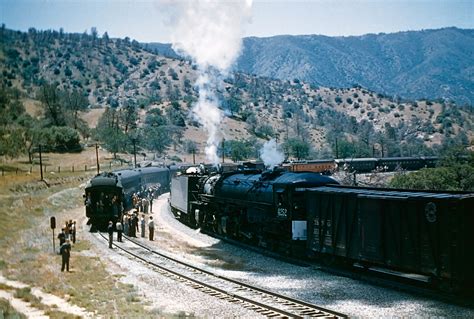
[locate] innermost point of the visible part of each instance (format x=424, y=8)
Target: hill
x=127, y=93
x=418, y=64
x=433, y=64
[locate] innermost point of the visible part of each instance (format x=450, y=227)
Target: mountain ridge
x=432, y=63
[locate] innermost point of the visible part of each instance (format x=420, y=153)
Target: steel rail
x=306, y=309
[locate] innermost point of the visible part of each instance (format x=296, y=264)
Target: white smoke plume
x=210, y=33
x=271, y=154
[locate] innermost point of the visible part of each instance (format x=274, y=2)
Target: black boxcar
x=428, y=233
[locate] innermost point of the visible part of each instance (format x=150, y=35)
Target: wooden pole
x=97, y=157
x=223, y=153
x=134, y=153
x=41, y=163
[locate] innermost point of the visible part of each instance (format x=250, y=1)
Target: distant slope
x=164, y=49
x=121, y=74
x=419, y=64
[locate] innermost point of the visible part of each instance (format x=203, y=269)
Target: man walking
x=65, y=252
x=118, y=226
x=151, y=228
x=110, y=230
x=142, y=226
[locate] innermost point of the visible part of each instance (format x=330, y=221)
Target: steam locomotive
x=109, y=194
x=308, y=215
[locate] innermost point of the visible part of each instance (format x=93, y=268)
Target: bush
x=67, y=72
x=60, y=139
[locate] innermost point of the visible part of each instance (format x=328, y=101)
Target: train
x=310, y=216
x=109, y=194
x=362, y=165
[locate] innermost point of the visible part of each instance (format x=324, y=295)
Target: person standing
x=110, y=230
x=126, y=223
x=131, y=225
x=142, y=224
x=118, y=226
x=135, y=223
x=73, y=232
x=62, y=237
x=151, y=228
x=65, y=252
x=66, y=229
x=151, y=205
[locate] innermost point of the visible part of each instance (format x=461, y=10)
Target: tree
x=75, y=102
x=157, y=139
x=239, y=150
x=109, y=132
x=190, y=147
x=297, y=148
x=175, y=114
x=129, y=115
x=49, y=96
x=155, y=118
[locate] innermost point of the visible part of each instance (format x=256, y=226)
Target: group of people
x=67, y=234
x=130, y=226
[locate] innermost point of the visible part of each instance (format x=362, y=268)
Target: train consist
x=309, y=215
x=109, y=194
x=362, y=165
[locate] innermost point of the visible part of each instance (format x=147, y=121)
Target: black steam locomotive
x=109, y=194
x=309, y=215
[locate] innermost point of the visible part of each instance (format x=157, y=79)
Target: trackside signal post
x=52, y=222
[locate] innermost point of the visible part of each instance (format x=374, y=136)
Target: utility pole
x=41, y=162
x=134, y=152
x=223, y=153
x=337, y=150
x=97, y=157
x=194, y=156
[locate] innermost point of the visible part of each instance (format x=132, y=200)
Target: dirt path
x=45, y=298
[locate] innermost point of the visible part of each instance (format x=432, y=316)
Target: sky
x=150, y=21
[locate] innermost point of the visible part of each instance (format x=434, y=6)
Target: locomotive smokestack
x=210, y=33
x=271, y=154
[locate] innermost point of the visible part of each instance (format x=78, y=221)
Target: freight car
x=108, y=194
x=427, y=233
x=309, y=215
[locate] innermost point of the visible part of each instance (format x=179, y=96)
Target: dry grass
x=7, y=311
x=25, y=241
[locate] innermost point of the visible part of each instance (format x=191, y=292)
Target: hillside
x=420, y=64
x=429, y=64
x=131, y=91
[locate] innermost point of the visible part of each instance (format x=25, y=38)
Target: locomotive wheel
x=329, y=260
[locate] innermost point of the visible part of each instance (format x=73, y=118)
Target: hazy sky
x=149, y=21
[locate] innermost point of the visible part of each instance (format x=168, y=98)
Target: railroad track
x=264, y=302
x=386, y=280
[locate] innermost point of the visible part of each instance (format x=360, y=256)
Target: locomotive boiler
x=260, y=208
